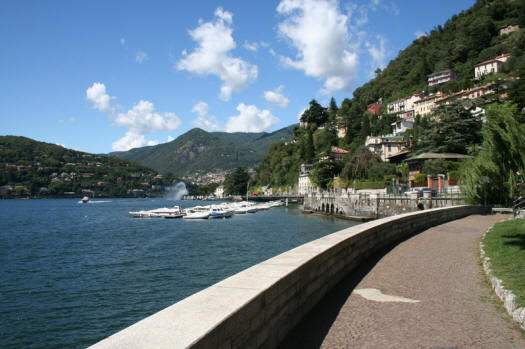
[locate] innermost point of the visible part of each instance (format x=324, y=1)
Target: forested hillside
x=29, y=167
x=466, y=39
x=201, y=151
x=463, y=41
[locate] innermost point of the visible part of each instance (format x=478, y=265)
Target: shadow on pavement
x=311, y=332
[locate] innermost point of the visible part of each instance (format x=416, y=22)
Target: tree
x=323, y=173
x=236, y=183
x=453, y=130
x=324, y=139
x=309, y=150
x=377, y=171
x=357, y=164
x=435, y=167
x=332, y=110
x=493, y=174
x=315, y=114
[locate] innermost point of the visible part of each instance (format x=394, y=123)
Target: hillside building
x=374, y=108
x=400, y=127
x=505, y=30
x=219, y=192
x=425, y=105
x=493, y=65
x=385, y=146
x=341, y=128
x=404, y=106
x=338, y=153
x=441, y=77
x=390, y=145
x=305, y=185
x=415, y=165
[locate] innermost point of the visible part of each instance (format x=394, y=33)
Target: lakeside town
x=302, y=174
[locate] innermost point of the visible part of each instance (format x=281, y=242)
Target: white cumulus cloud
x=132, y=140
x=251, y=46
x=204, y=120
x=101, y=100
x=140, y=120
x=319, y=32
x=212, y=55
x=300, y=114
x=378, y=52
x=251, y=119
x=276, y=97
x=141, y=56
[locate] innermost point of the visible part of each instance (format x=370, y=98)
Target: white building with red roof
x=493, y=65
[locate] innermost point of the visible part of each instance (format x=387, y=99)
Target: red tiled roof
x=493, y=59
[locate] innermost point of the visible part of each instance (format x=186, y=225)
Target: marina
x=222, y=210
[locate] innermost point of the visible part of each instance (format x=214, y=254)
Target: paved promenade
x=427, y=292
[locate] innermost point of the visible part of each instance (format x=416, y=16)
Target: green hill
x=29, y=167
x=201, y=151
x=466, y=39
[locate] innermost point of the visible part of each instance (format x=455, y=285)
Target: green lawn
x=504, y=244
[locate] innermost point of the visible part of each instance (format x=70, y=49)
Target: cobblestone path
x=439, y=268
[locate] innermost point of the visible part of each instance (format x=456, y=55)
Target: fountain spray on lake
x=177, y=191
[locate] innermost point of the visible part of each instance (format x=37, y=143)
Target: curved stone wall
x=257, y=307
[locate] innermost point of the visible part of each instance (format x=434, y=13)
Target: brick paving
x=440, y=268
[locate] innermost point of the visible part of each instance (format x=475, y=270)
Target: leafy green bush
x=420, y=177
x=380, y=170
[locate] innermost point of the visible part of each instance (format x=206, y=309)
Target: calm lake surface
x=72, y=274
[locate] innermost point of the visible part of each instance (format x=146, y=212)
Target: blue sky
x=100, y=76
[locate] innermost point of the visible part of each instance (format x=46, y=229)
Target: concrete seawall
x=257, y=307
x=373, y=206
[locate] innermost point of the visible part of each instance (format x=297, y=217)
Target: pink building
x=441, y=77
x=374, y=108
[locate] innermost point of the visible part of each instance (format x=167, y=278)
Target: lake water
x=72, y=274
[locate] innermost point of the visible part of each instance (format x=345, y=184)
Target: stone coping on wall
x=258, y=306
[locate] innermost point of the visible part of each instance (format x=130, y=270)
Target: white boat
x=240, y=210
x=262, y=207
x=170, y=212
x=196, y=214
x=221, y=211
x=85, y=199
x=166, y=212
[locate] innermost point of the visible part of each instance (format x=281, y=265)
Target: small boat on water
x=163, y=212
x=193, y=213
x=220, y=212
x=85, y=199
x=262, y=207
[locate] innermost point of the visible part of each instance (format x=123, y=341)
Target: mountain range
x=201, y=151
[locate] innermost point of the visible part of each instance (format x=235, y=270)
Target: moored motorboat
x=173, y=215
x=166, y=212
x=220, y=212
x=196, y=214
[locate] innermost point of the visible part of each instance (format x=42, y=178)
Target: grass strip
x=504, y=244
